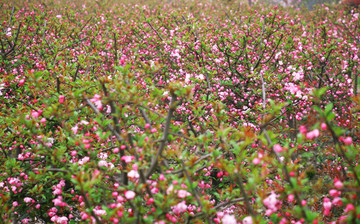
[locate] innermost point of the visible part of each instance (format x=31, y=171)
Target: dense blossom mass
x=179, y=112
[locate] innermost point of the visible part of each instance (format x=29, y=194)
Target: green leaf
x=319, y=92
x=307, y=154
x=338, y=131
x=330, y=116
x=328, y=108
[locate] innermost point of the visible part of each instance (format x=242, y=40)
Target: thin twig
x=109, y=126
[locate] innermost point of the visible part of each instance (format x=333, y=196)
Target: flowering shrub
x=179, y=112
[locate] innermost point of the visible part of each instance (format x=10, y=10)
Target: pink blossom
x=21, y=82
x=52, y=211
x=84, y=122
x=333, y=192
x=28, y=200
x=96, y=100
x=120, y=199
x=61, y=99
x=160, y=222
x=327, y=206
x=220, y=214
x=99, y=212
x=150, y=201
x=35, y=114
x=272, y=203
x=338, y=184
x=278, y=148
x=62, y=220
x=228, y=219
x=294, y=89
x=170, y=189
x=161, y=177
x=356, y=15
x=183, y=193
x=135, y=167
x=75, y=129
x=58, y=202
x=337, y=201
x=57, y=191
x=102, y=163
x=291, y=197
x=96, y=173
x=127, y=159
x=147, y=126
x=129, y=195
x=14, y=180
x=155, y=190
x=133, y=174
x=61, y=183
x=26, y=220
x=180, y=207
x=349, y=207
x=247, y=220
x=115, y=150
x=347, y=141
x=84, y=160
x=84, y=216
x=153, y=130
x=323, y=126
x=298, y=75
x=312, y=134
x=302, y=129
x=256, y=161
x=21, y=156
x=15, y=203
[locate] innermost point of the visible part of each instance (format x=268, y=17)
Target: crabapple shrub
x=178, y=112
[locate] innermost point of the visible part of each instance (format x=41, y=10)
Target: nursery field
x=179, y=112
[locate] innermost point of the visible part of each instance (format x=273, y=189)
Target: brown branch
x=223, y=204
x=285, y=171
x=109, y=126
x=194, y=191
x=87, y=203
x=342, y=151
x=52, y=170
x=154, y=161
x=244, y=194
x=155, y=30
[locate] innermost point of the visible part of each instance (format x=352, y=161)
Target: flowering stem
x=342, y=152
